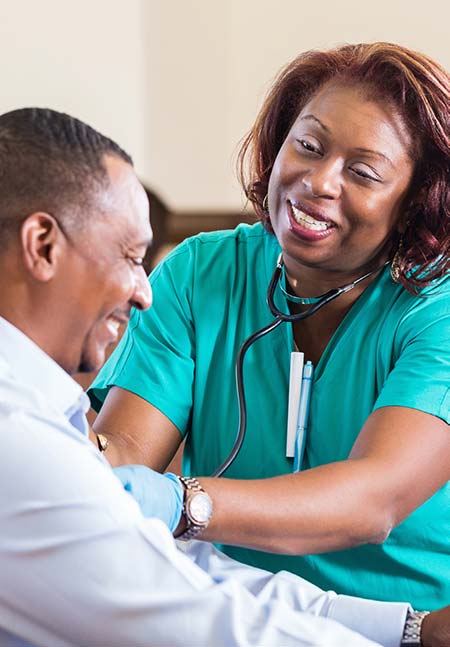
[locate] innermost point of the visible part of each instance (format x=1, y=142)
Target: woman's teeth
x=308, y=222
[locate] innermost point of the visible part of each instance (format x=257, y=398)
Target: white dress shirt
x=80, y=565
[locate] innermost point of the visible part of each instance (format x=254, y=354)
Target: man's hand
x=436, y=629
x=158, y=495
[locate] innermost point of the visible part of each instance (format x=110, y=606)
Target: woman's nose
x=324, y=179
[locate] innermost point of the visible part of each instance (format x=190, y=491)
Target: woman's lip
x=310, y=211
x=309, y=235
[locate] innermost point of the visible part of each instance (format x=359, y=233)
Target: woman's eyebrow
x=377, y=153
x=317, y=121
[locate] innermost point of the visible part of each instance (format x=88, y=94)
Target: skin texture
x=346, y=158
x=79, y=287
x=436, y=629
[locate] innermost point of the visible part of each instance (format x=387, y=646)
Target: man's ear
x=41, y=239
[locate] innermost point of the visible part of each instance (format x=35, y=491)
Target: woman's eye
x=365, y=174
x=309, y=146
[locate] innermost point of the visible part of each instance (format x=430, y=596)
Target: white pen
x=303, y=413
x=295, y=387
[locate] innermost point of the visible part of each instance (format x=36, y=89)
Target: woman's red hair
x=419, y=90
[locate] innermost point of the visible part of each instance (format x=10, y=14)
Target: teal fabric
x=392, y=348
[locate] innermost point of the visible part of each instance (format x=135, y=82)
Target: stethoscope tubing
x=280, y=317
x=239, y=371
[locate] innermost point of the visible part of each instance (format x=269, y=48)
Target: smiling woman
x=338, y=185
x=347, y=167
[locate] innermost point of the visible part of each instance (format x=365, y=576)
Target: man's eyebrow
x=359, y=150
x=142, y=242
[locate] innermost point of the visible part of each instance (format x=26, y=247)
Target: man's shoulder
x=15, y=396
x=24, y=406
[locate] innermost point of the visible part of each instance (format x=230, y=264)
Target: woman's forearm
x=331, y=507
x=342, y=504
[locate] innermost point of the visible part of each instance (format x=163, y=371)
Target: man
x=79, y=563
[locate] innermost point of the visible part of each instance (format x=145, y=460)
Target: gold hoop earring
x=265, y=203
x=395, y=263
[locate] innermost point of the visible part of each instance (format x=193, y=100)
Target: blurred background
x=178, y=83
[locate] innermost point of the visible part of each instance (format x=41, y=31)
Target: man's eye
x=136, y=260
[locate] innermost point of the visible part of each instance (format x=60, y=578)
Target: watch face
x=200, y=508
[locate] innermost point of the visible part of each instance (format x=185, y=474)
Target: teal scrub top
x=392, y=348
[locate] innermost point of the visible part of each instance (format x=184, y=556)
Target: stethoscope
x=315, y=303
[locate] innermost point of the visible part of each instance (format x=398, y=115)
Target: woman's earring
x=395, y=263
x=265, y=204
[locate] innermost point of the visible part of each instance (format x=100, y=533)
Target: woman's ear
x=41, y=240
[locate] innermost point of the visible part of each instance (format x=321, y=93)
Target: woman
x=348, y=170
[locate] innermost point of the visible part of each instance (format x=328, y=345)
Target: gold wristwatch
x=197, y=508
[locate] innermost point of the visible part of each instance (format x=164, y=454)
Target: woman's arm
x=400, y=459
x=137, y=431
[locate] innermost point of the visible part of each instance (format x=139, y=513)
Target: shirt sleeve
x=155, y=358
x=83, y=567
x=420, y=378
x=382, y=622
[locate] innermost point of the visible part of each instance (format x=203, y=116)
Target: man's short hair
x=52, y=162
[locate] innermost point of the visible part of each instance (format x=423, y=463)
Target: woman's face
x=339, y=182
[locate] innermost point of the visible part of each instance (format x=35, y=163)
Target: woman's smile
x=339, y=182
x=306, y=223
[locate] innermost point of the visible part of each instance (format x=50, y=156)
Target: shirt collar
x=33, y=367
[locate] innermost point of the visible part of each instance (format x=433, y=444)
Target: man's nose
x=324, y=179
x=142, y=296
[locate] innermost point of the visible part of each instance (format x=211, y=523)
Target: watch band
x=411, y=631
x=193, y=489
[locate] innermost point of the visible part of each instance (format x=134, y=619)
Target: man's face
x=103, y=273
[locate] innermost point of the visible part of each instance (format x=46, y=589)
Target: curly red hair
x=419, y=90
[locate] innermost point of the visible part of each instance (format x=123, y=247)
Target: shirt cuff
x=382, y=622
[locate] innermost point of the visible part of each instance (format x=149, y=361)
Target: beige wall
x=213, y=62
x=85, y=57
x=178, y=82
